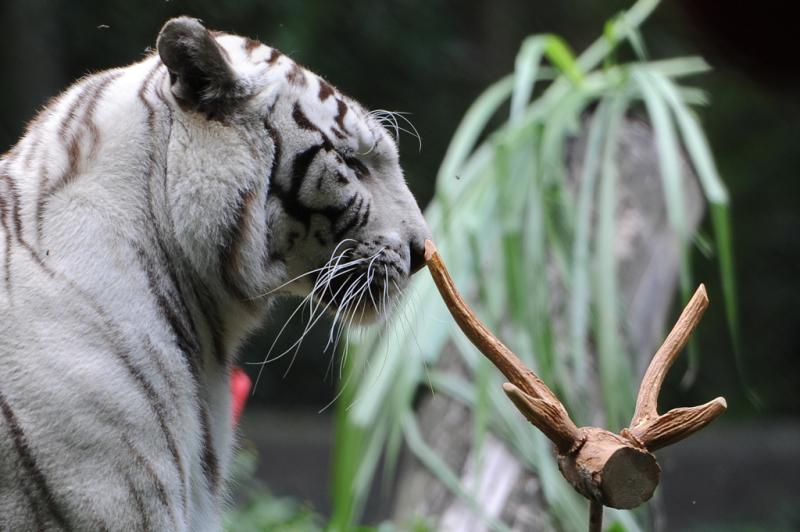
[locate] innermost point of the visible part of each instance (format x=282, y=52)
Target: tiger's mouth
x=361, y=287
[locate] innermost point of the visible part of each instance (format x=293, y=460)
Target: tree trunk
x=648, y=264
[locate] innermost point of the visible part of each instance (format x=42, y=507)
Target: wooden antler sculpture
x=616, y=470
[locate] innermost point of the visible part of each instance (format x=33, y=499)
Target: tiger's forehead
x=268, y=69
x=272, y=73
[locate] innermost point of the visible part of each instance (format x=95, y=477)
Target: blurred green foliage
x=513, y=229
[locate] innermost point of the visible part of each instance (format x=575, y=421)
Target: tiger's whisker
x=280, y=332
x=350, y=326
x=315, y=270
x=343, y=307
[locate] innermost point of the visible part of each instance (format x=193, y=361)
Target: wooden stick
x=547, y=417
x=595, y=516
x=531, y=395
x=646, y=402
x=647, y=427
x=677, y=424
x=617, y=470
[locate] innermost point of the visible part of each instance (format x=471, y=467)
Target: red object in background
x=240, y=389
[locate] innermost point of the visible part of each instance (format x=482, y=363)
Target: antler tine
x=677, y=424
x=647, y=400
x=546, y=416
x=529, y=393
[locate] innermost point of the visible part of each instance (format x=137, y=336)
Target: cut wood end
x=519, y=397
x=510, y=388
x=430, y=250
x=701, y=291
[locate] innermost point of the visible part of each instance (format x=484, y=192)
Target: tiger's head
x=279, y=182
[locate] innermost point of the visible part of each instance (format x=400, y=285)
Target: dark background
x=432, y=58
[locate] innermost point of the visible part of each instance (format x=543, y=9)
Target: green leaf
x=669, y=161
x=468, y=132
x=526, y=67
x=613, y=363
x=558, y=52
x=579, y=295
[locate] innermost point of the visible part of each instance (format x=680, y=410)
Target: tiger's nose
x=417, y=252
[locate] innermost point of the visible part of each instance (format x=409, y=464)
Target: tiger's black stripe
x=274, y=55
x=36, y=510
x=277, y=149
x=115, y=418
x=93, y=93
x=277, y=154
x=7, y=231
x=205, y=307
x=29, y=464
x=144, y=519
x=301, y=119
x=211, y=317
x=296, y=76
x=142, y=95
x=303, y=122
x=295, y=208
x=156, y=404
x=365, y=217
x=325, y=90
x=209, y=461
x=361, y=171
x=16, y=218
x=180, y=320
x=33, y=149
x=149, y=471
x=229, y=251
x=70, y=115
x=300, y=165
x=341, y=112
x=186, y=343
x=354, y=218
x=290, y=200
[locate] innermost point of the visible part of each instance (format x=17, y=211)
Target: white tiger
x=143, y=216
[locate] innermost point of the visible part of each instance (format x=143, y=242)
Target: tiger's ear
x=201, y=77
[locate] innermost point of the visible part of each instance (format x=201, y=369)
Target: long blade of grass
x=471, y=127
x=579, y=295
x=526, y=67
x=614, y=368
x=426, y=455
x=669, y=162
x=715, y=191
x=561, y=57
x=695, y=141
